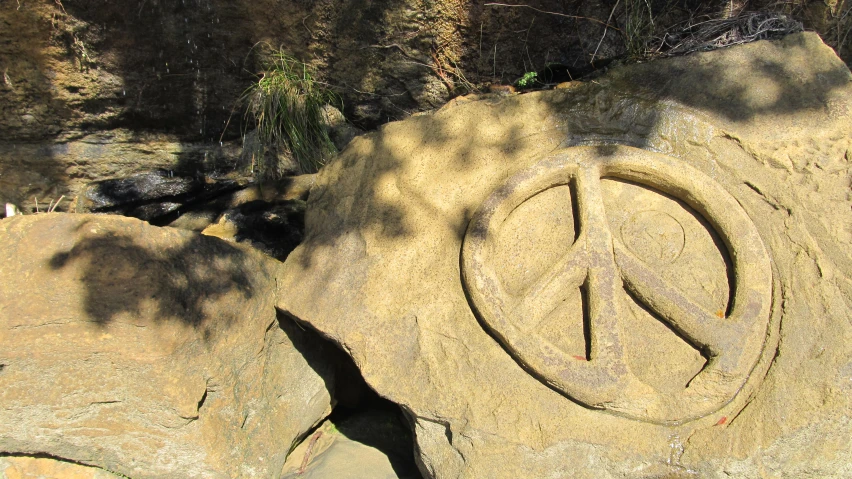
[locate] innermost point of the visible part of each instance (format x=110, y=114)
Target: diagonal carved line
x=703, y=328
x=544, y=295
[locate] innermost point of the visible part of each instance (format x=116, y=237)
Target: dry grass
x=712, y=33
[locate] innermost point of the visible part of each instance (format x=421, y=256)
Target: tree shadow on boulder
x=176, y=276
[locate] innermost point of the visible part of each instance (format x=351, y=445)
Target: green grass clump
x=286, y=106
x=638, y=27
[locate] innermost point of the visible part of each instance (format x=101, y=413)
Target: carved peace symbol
x=732, y=344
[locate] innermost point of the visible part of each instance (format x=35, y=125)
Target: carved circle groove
x=732, y=344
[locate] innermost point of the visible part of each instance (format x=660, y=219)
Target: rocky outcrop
x=178, y=68
x=151, y=196
x=149, y=352
x=640, y=276
x=32, y=174
x=92, y=90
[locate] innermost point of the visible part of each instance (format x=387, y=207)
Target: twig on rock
x=310, y=448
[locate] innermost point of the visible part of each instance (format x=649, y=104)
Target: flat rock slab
x=149, y=352
x=642, y=276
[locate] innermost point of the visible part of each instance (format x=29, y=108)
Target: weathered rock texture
x=32, y=174
x=99, y=89
x=177, y=67
x=23, y=467
x=163, y=77
x=149, y=352
x=642, y=276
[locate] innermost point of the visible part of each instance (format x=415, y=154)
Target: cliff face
x=175, y=68
x=178, y=66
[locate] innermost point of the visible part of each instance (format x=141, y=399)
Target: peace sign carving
x=607, y=269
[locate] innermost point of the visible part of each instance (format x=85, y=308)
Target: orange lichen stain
x=722, y=420
x=581, y=358
x=720, y=314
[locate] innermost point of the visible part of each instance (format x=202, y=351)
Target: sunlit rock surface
x=149, y=352
x=645, y=275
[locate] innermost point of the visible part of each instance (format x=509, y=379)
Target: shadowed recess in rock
x=365, y=437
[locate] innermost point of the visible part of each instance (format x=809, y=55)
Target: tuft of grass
x=286, y=106
x=638, y=27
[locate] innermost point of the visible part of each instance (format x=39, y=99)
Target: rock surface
x=22, y=467
x=155, y=195
x=47, y=170
x=179, y=68
x=149, y=352
x=369, y=445
x=642, y=276
x=89, y=91
x=274, y=228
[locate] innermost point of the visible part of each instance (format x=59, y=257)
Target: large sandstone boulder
x=642, y=276
x=149, y=352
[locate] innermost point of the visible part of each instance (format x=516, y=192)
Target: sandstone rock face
x=642, y=276
x=149, y=352
x=93, y=89
x=21, y=467
x=179, y=68
x=45, y=171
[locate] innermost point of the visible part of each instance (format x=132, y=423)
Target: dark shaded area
x=153, y=195
x=570, y=35
x=555, y=73
x=360, y=414
x=587, y=319
x=159, y=280
x=26, y=77
x=327, y=360
x=275, y=228
x=381, y=424
x=348, y=387
x=181, y=66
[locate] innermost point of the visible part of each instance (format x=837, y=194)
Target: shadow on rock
x=168, y=277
